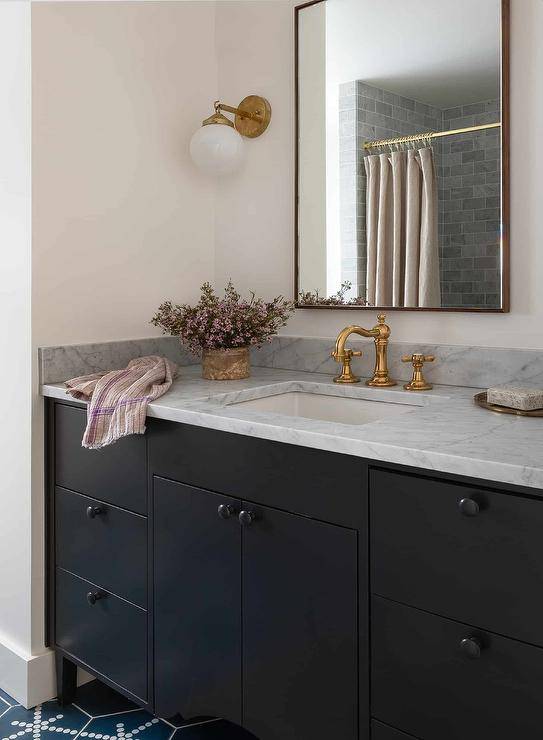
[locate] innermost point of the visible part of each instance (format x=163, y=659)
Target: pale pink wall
x=121, y=218
x=254, y=209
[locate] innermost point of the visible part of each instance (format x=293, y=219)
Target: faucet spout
x=380, y=333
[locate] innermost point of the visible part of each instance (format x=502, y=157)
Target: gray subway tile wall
x=468, y=167
x=469, y=208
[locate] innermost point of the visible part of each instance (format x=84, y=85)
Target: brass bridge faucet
x=380, y=333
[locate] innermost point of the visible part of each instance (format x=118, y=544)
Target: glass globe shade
x=217, y=149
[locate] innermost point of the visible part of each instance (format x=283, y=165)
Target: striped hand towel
x=118, y=399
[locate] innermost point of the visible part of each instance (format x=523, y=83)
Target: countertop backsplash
x=63, y=362
x=472, y=367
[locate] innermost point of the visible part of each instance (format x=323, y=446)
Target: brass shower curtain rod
x=427, y=135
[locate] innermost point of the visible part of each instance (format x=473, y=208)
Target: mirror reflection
x=399, y=154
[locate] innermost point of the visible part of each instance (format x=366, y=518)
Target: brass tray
x=480, y=400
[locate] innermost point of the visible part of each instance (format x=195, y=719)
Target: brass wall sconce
x=217, y=147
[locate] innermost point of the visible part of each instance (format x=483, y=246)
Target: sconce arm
x=256, y=116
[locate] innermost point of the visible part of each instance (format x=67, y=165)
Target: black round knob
x=469, y=507
x=225, y=511
x=93, y=511
x=246, y=518
x=471, y=647
x=94, y=596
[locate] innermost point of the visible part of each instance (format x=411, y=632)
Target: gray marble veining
x=69, y=361
x=445, y=431
x=474, y=367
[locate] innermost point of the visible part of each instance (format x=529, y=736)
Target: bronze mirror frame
x=505, y=184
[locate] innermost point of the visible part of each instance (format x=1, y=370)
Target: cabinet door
x=196, y=603
x=299, y=627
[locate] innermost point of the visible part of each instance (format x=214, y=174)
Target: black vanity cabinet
x=203, y=573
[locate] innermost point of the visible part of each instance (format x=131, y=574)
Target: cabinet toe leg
x=66, y=679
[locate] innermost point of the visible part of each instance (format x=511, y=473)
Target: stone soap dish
x=515, y=397
x=481, y=400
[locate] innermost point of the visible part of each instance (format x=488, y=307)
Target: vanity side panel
x=49, y=518
x=302, y=480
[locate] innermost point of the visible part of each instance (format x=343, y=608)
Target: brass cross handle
x=345, y=357
x=418, y=382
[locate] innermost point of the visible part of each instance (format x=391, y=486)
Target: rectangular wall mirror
x=402, y=159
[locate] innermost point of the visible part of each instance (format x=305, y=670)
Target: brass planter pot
x=226, y=364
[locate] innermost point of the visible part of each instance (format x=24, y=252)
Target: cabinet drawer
x=103, y=544
x=424, y=683
x=116, y=474
x=292, y=478
x=485, y=569
x=380, y=731
x=110, y=636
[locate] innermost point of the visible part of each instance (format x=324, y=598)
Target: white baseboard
x=30, y=679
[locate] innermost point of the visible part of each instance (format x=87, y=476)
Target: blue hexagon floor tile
x=99, y=713
x=18, y=723
x=5, y=699
x=136, y=724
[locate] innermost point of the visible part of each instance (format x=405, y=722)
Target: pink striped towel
x=119, y=399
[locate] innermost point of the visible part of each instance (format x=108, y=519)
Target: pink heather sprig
x=223, y=323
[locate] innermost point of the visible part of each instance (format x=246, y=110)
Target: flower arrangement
x=223, y=323
x=312, y=298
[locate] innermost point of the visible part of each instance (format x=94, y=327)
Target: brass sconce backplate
x=260, y=111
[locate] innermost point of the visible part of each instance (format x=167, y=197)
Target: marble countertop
x=444, y=430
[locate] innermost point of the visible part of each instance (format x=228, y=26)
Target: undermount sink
x=339, y=409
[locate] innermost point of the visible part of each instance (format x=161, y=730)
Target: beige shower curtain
x=402, y=231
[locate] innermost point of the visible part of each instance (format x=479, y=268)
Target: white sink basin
x=339, y=409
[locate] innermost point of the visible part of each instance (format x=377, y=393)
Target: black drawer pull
x=94, y=511
x=225, y=511
x=246, y=518
x=469, y=507
x=471, y=647
x=94, y=596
